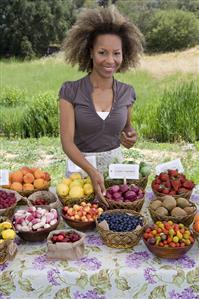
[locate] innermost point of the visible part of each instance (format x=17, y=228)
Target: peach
x=47, y=176
x=16, y=186
x=28, y=187
x=196, y=226
x=28, y=178
x=25, y=170
x=39, y=174
x=39, y=183
x=17, y=176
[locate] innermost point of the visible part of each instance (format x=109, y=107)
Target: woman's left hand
x=128, y=137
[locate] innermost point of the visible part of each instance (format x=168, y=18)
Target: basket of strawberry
x=174, y=183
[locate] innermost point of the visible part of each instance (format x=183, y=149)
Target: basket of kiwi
x=178, y=210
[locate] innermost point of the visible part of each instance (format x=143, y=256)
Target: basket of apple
x=124, y=197
x=81, y=217
x=75, y=189
x=65, y=244
x=168, y=239
x=174, y=183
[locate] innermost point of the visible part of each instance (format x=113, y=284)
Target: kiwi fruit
x=156, y=204
x=162, y=211
x=182, y=202
x=169, y=203
x=177, y=211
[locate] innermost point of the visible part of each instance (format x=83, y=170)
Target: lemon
x=75, y=176
x=88, y=189
x=62, y=189
x=66, y=181
x=5, y=225
x=76, y=192
x=8, y=234
x=76, y=183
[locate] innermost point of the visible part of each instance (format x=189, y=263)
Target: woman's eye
x=117, y=53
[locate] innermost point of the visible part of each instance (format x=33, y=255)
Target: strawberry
x=173, y=172
x=155, y=187
x=164, y=176
x=167, y=184
x=165, y=191
x=172, y=192
x=176, y=184
x=188, y=185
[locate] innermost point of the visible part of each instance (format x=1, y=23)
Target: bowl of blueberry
x=120, y=228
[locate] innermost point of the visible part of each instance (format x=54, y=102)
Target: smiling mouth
x=109, y=68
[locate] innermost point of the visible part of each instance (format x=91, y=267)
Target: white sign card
x=174, y=164
x=4, y=177
x=122, y=171
x=72, y=167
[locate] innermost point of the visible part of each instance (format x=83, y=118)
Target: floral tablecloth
x=103, y=273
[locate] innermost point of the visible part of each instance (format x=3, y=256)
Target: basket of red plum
x=65, y=244
x=8, y=202
x=124, y=197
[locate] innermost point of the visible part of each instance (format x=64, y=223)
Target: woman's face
x=107, y=54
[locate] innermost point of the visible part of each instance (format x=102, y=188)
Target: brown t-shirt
x=92, y=133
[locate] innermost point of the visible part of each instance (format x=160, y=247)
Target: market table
x=103, y=273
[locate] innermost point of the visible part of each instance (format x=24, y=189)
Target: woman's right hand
x=98, y=183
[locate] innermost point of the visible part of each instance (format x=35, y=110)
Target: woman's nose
x=110, y=58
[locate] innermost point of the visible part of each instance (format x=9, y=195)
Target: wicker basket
x=128, y=205
x=8, y=212
x=4, y=247
x=186, y=195
x=121, y=239
x=186, y=220
x=50, y=197
x=68, y=201
x=141, y=182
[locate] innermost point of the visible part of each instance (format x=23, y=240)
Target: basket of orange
x=172, y=182
x=28, y=180
x=196, y=227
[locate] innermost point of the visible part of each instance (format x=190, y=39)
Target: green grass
x=48, y=74
x=47, y=153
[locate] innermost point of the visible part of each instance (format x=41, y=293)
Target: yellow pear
x=66, y=181
x=76, y=192
x=75, y=176
x=62, y=189
x=88, y=189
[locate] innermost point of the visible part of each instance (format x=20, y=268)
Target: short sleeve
x=66, y=92
x=132, y=96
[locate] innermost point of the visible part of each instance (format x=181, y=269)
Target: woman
x=95, y=111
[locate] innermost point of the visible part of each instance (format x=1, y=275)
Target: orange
x=28, y=178
x=196, y=218
x=196, y=226
x=17, y=176
x=39, y=183
x=28, y=187
x=16, y=186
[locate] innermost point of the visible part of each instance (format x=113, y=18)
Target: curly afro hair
x=93, y=22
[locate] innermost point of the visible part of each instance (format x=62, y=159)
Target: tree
x=32, y=25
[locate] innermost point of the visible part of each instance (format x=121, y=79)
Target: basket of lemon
x=75, y=189
x=7, y=246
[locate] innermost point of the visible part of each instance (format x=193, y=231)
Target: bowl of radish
x=124, y=197
x=33, y=224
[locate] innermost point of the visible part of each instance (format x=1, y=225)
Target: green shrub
x=171, y=30
x=41, y=116
x=177, y=114
x=12, y=97
x=11, y=121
